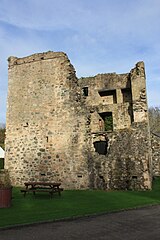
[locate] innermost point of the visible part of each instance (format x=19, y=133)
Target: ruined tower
x=86, y=133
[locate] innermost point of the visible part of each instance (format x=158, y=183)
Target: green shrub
x=108, y=123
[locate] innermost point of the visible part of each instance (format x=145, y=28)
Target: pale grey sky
x=99, y=36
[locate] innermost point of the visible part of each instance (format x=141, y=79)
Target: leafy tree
x=154, y=119
x=2, y=136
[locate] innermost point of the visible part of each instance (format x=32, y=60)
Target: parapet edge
x=12, y=60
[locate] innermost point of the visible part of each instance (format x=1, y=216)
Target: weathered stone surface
x=56, y=123
x=155, y=140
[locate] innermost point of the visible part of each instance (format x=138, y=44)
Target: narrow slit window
x=43, y=174
x=85, y=91
x=79, y=176
x=25, y=124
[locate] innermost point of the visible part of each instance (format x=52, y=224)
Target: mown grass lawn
x=41, y=207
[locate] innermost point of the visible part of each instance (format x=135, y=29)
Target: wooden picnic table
x=50, y=187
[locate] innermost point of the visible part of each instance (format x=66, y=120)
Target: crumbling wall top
x=139, y=70
x=12, y=61
x=107, y=81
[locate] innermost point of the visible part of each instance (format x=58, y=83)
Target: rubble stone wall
x=46, y=126
x=155, y=140
x=56, y=123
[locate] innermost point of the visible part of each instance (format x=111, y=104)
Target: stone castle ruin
x=86, y=133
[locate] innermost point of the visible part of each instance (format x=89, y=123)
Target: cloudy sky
x=99, y=36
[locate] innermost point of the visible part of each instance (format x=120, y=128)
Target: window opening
x=43, y=174
x=110, y=95
x=107, y=121
x=100, y=125
x=126, y=93
x=134, y=177
x=101, y=147
x=25, y=124
x=79, y=176
x=85, y=91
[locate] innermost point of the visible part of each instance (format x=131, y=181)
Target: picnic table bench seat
x=39, y=187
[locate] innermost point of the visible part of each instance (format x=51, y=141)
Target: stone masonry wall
x=128, y=162
x=54, y=122
x=115, y=103
x=46, y=126
x=155, y=140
